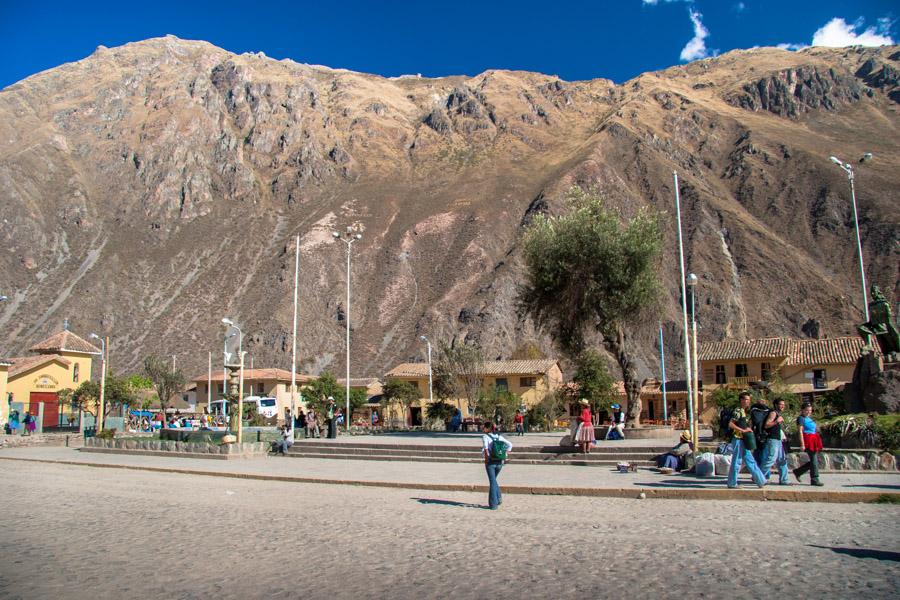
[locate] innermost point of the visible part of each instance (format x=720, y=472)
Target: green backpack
x=497, y=450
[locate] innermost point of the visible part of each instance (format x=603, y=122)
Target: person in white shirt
x=494, y=458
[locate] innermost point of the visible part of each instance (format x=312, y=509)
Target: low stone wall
x=848, y=460
x=40, y=439
x=167, y=447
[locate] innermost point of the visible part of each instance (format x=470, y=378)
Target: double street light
x=848, y=169
x=348, y=238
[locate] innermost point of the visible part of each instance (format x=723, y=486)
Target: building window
x=740, y=370
x=720, y=374
x=259, y=389
x=820, y=381
x=527, y=381
x=765, y=371
x=502, y=384
x=220, y=388
x=76, y=372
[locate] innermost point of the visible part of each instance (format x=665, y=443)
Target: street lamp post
x=225, y=375
x=240, y=419
x=99, y=425
x=430, y=384
x=695, y=384
x=848, y=169
x=348, y=239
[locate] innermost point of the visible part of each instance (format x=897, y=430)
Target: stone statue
x=881, y=326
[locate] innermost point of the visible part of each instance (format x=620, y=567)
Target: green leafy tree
x=397, y=392
x=86, y=397
x=168, y=382
x=595, y=384
x=551, y=407
x=590, y=271
x=496, y=401
x=317, y=391
x=440, y=412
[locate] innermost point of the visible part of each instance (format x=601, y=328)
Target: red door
x=51, y=407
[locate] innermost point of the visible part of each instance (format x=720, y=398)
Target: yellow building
x=62, y=361
x=268, y=383
x=808, y=367
x=531, y=380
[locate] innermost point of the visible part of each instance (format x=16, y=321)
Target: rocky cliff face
x=149, y=190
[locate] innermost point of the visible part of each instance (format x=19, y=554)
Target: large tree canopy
x=590, y=269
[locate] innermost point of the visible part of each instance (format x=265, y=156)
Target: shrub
x=106, y=434
x=440, y=412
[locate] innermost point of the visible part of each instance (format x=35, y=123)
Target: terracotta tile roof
x=360, y=381
x=829, y=351
x=23, y=364
x=489, y=368
x=65, y=341
x=832, y=351
x=282, y=375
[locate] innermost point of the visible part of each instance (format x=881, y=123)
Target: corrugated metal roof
x=65, y=341
x=829, y=351
x=489, y=368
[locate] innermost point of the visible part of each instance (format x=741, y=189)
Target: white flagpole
x=687, y=343
x=294, y=342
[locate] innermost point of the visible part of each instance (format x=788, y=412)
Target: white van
x=266, y=407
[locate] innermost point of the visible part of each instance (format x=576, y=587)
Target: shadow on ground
x=863, y=552
x=448, y=503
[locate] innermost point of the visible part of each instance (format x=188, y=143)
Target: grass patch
x=887, y=499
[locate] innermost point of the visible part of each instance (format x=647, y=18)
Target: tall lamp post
x=348, y=239
x=225, y=374
x=99, y=425
x=695, y=384
x=848, y=169
x=430, y=384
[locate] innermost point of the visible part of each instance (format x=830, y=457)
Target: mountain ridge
x=190, y=169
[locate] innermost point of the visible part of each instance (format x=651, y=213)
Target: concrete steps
x=602, y=456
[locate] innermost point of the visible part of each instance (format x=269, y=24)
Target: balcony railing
x=739, y=381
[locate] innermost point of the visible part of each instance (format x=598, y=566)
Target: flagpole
x=687, y=343
x=294, y=340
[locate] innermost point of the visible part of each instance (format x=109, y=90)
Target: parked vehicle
x=266, y=407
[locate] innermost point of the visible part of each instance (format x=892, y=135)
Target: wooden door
x=51, y=407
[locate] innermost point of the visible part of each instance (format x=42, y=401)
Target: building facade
x=809, y=368
x=530, y=380
x=61, y=362
x=268, y=383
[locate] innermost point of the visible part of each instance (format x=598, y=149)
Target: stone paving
x=90, y=533
x=463, y=474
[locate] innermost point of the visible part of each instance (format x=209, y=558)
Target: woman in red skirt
x=811, y=443
x=585, y=435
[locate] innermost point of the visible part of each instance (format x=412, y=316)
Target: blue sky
x=576, y=39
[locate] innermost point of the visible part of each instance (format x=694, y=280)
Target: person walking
x=773, y=451
x=744, y=444
x=312, y=425
x=29, y=423
x=585, y=434
x=811, y=443
x=14, y=422
x=520, y=422
x=495, y=449
x=329, y=418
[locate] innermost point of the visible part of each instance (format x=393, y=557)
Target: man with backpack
x=744, y=444
x=773, y=450
x=495, y=448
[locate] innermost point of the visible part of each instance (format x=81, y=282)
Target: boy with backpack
x=495, y=448
x=773, y=450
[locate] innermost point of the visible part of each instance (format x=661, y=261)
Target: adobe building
x=531, y=380
x=269, y=383
x=62, y=361
x=808, y=367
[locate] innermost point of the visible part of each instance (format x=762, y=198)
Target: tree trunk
x=618, y=346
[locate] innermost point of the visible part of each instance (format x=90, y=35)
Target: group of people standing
x=761, y=457
x=314, y=424
x=15, y=421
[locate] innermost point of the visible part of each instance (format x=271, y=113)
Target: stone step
x=547, y=460
x=469, y=453
x=600, y=449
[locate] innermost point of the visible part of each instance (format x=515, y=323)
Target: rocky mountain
x=149, y=190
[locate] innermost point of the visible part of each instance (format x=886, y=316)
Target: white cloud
x=837, y=33
x=696, y=46
x=792, y=47
x=740, y=7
